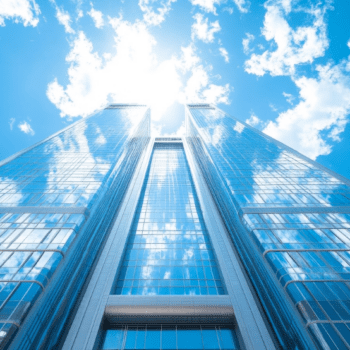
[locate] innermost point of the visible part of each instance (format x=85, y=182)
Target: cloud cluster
x=132, y=74
x=321, y=114
x=25, y=11
x=155, y=10
x=203, y=29
x=294, y=46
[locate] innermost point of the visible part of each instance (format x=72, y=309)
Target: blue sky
x=281, y=65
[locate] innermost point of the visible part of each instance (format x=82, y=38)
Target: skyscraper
x=221, y=239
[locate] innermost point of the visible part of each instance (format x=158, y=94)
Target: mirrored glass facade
x=289, y=219
x=169, y=250
x=47, y=195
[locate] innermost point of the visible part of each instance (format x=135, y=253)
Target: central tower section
x=169, y=251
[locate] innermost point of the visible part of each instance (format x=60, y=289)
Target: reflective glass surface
x=296, y=219
x=169, y=250
x=170, y=338
x=46, y=195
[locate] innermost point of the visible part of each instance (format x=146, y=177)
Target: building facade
x=221, y=239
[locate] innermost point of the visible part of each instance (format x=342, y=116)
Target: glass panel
x=171, y=338
x=169, y=249
x=298, y=216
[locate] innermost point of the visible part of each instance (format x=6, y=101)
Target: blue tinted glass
x=113, y=339
x=210, y=339
x=153, y=338
x=53, y=185
x=131, y=334
x=295, y=215
x=189, y=339
x=140, y=339
x=169, y=250
x=171, y=338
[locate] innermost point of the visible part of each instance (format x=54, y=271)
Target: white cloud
x=321, y=114
x=224, y=54
x=348, y=44
x=203, y=29
x=294, y=46
x=206, y=5
x=26, y=128
x=132, y=74
x=63, y=18
x=246, y=42
x=210, y=5
x=96, y=16
x=155, y=10
x=11, y=122
x=80, y=14
x=289, y=97
x=254, y=121
x=26, y=11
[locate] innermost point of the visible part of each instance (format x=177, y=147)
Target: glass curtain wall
x=294, y=221
x=169, y=337
x=46, y=194
x=169, y=250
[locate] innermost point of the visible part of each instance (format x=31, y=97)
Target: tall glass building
x=221, y=239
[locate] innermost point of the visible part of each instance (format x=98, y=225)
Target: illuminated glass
x=169, y=250
x=288, y=217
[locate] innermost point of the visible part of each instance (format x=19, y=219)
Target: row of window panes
x=170, y=338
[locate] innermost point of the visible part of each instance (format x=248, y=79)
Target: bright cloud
x=348, y=44
x=246, y=42
x=294, y=46
x=203, y=29
x=96, y=16
x=25, y=11
x=63, y=18
x=224, y=54
x=321, y=114
x=210, y=5
x=132, y=74
x=254, y=121
x=26, y=128
x=155, y=10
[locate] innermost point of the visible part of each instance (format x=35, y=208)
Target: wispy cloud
x=25, y=11
x=11, y=122
x=224, y=54
x=289, y=97
x=26, y=128
x=203, y=29
x=63, y=18
x=246, y=42
x=96, y=16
